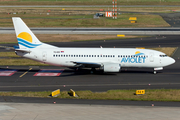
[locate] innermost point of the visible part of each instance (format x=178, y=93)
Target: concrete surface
x=34, y=111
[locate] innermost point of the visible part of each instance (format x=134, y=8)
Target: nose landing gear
x=155, y=69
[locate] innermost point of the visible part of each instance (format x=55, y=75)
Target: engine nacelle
x=112, y=67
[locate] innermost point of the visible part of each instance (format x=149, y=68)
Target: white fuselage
x=107, y=59
x=124, y=56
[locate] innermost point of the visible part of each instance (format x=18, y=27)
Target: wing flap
x=87, y=64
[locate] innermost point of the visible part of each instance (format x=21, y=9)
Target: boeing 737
x=106, y=59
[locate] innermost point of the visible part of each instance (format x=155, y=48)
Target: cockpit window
x=162, y=55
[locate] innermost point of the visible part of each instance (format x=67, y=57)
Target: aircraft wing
x=87, y=64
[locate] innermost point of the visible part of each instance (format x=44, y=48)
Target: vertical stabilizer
x=26, y=39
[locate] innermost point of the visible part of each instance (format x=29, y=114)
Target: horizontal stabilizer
x=16, y=47
x=23, y=50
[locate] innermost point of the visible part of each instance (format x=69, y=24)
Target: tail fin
x=26, y=39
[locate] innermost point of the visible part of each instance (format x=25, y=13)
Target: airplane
x=106, y=59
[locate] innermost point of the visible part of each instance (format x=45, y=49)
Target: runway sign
x=49, y=72
x=108, y=14
x=6, y=72
x=120, y=35
x=140, y=92
x=133, y=18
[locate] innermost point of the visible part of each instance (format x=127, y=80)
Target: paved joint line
x=25, y=72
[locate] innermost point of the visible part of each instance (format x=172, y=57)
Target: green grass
x=89, y=2
x=122, y=21
x=167, y=50
x=20, y=62
x=150, y=95
x=8, y=54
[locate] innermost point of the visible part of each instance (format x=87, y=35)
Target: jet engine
x=111, y=67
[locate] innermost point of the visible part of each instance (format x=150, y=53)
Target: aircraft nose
x=172, y=61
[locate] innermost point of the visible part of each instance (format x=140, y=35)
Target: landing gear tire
x=155, y=72
x=93, y=70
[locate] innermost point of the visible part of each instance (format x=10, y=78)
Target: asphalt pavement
x=128, y=78
x=74, y=30
x=21, y=78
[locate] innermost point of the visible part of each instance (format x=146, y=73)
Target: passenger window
x=71, y=55
x=89, y=55
x=66, y=55
x=94, y=55
x=113, y=55
x=76, y=55
x=97, y=55
x=53, y=55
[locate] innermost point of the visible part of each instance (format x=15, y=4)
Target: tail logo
x=25, y=39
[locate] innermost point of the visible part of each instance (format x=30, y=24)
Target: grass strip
x=11, y=38
x=89, y=2
x=167, y=50
x=8, y=54
x=122, y=21
x=80, y=12
x=150, y=95
x=20, y=62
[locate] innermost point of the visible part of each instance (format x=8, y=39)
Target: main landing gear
x=93, y=70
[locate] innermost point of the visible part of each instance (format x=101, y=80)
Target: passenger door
x=151, y=57
x=44, y=56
